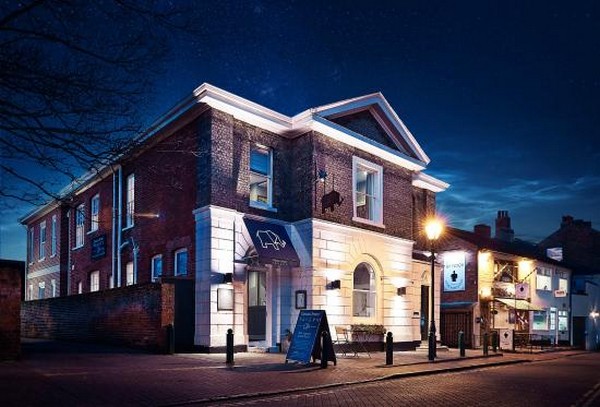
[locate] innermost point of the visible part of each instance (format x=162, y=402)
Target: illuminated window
x=544, y=279
x=261, y=176
x=129, y=274
x=79, y=287
x=368, y=191
x=53, y=285
x=41, y=290
x=42, y=253
x=552, y=318
x=540, y=320
x=53, y=236
x=79, y=225
x=363, y=294
x=130, y=209
x=181, y=258
x=95, y=212
x=94, y=281
x=156, y=267
x=563, y=320
x=563, y=284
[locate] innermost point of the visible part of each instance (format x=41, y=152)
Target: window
x=111, y=282
x=552, y=319
x=368, y=191
x=540, y=320
x=563, y=320
x=261, y=176
x=544, y=279
x=130, y=276
x=31, y=244
x=53, y=236
x=79, y=225
x=53, y=285
x=130, y=210
x=79, y=287
x=41, y=290
x=95, y=212
x=181, y=257
x=94, y=281
x=30, y=292
x=563, y=284
x=42, y=241
x=363, y=295
x=156, y=267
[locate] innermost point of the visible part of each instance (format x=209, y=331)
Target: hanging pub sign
x=306, y=341
x=522, y=291
x=98, y=247
x=454, y=271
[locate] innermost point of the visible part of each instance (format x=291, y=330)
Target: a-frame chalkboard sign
x=306, y=341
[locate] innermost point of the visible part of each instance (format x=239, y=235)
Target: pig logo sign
x=269, y=238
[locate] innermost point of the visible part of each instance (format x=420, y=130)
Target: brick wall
x=135, y=316
x=11, y=274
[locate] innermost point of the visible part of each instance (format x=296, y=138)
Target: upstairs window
x=363, y=294
x=31, y=244
x=544, y=279
x=42, y=248
x=79, y=225
x=368, y=191
x=261, y=176
x=156, y=267
x=181, y=258
x=130, y=209
x=53, y=236
x=94, y=213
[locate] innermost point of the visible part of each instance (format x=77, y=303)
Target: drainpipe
x=69, y=260
x=119, y=225
x=113, y=230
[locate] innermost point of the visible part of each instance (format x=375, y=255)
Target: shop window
x=42, y=252
x=130, y=208
x=94, y=281
x=363, y=294
x=367, y=191
x=261, y=176
x=156, y=267
x=79, y=225
x=552, y=318
x=94, y=213
x=563, y=321
x=540, y=320
x=181, y=258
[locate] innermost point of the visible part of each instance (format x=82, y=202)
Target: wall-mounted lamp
x=401, y=291
x=594, y=314
x=321, y=176
x=334, y=285
x=228, y=278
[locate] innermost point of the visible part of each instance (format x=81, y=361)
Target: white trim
x=175, y=271
x=43, y=272
x=424, y=181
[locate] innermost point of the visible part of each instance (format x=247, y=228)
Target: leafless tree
x=74, y=76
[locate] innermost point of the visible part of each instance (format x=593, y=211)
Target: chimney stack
x=503, y=229
x=483, y=230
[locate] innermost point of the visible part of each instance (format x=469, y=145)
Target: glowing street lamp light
x=433, y=229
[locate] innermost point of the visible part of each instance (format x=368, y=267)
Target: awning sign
x=271, y=241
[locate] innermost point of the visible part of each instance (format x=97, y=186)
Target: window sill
x=89, y=232
x=368, y=222
x=264, y=207
x=78, y=247
x=42, y=259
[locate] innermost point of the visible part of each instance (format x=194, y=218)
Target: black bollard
x=170, y=339
x=461, y=343
x=495, y=341
x=324, y=350
x=485, y=344
x=389, y=349
x=229, y=357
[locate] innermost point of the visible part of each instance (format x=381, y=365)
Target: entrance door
x=257, y=305
x=424, y=312
x=579, y=332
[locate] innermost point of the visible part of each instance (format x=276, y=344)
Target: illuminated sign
x=454, y=271
x=560, y=293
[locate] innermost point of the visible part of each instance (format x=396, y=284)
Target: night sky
x=504, y=97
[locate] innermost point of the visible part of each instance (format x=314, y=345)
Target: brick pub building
x=261, y=214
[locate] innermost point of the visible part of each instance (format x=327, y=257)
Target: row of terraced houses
x=261, y=215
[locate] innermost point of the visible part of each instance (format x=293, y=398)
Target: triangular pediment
x=372, y=117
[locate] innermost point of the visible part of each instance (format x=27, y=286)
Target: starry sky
x=503, y=96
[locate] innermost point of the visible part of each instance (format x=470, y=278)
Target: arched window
x=363, y=294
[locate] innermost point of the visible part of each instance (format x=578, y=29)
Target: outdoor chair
x=342, y=341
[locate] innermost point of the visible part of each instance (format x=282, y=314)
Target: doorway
x=424, y=312
x=257, y=305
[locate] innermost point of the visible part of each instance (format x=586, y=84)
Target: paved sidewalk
x=52, y=373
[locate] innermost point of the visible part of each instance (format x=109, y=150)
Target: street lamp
x=433, y=230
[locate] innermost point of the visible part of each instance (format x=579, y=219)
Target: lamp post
x=433, y=230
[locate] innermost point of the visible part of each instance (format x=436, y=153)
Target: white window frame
x=31, y=246
x=94, y=212
x=42, y=246
x=95, y=281
x=371, y=294
x=80, y=288
x=130, y=202
x=129, y=276
x=79, y=226
x=30, y=292
x=255, y=203
x=177, y=272
x=153, y=261
x=53, y=236
x=357, y=164
x=53, y=285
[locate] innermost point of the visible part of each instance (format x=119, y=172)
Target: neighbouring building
x=263, y=213
x=504, y=285
x=11, y=295
x=576, y=243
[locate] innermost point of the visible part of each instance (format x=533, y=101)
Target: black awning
x=272, y=242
